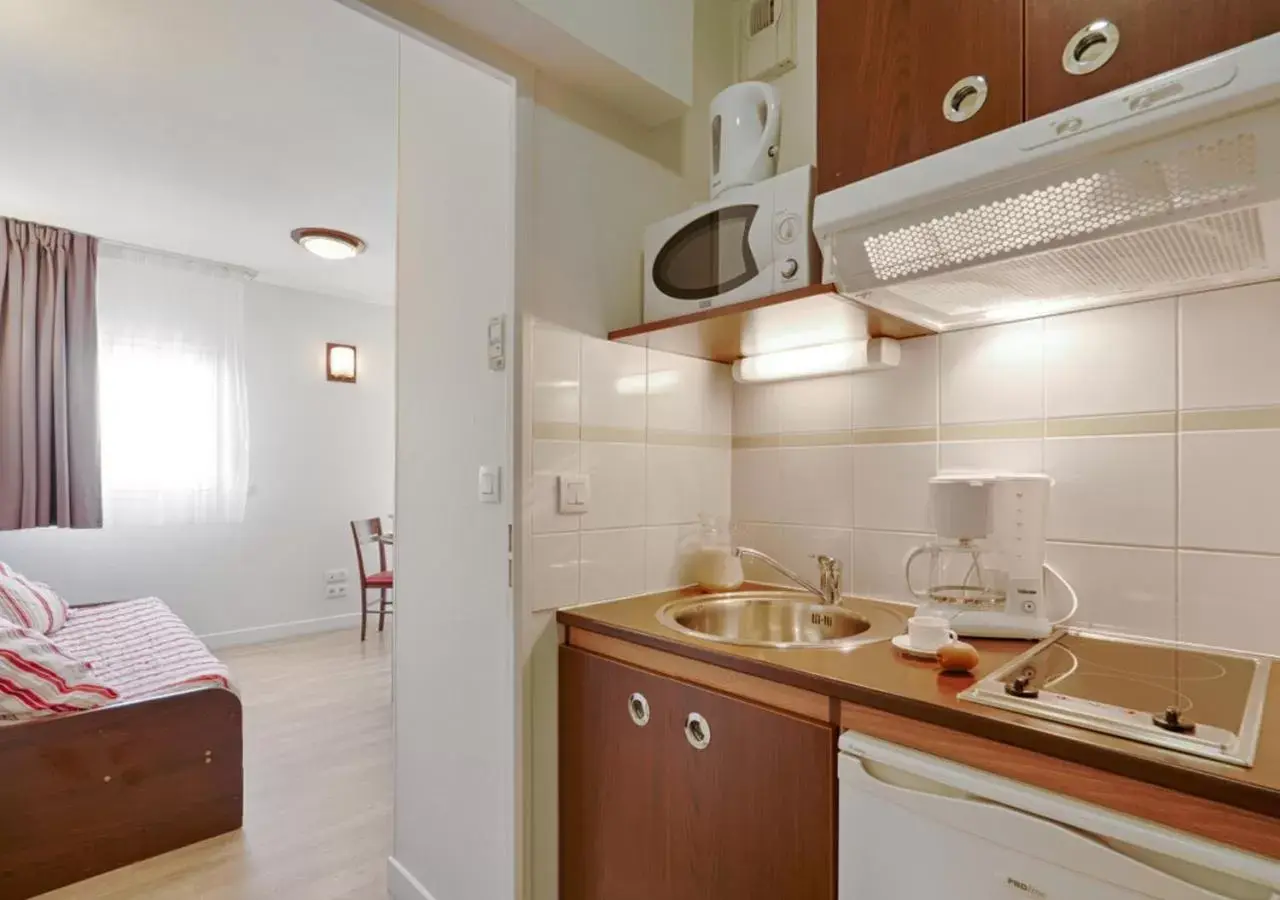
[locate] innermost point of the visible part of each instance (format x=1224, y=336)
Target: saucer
x=903, y=643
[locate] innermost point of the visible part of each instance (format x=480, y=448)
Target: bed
x=83, y=793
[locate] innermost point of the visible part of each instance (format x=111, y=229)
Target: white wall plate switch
x=490, y=484
x=335, y=576
x=575, y=494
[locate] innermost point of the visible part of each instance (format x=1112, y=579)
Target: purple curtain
x=50, y=468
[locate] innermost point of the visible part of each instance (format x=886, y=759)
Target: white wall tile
x=717, y=399
x=1226, y=600
x=891, y=486
x=1112, y=489
x=1121, y=359
x=766, y=538
x=1230, y=489
x=1229, y=347
x=613, y=564
x=555, y=374
x=816, y=486
x=673, y=494
x=755, y=410
x=1121, y=589
x=550, y=460
x=757, y=485
x=663, y=550
x=902, y=397
x=879, y=559
x=617, y=485
x=991, y=456
x=814, y=404
x=802, y=544
x=993, y=374
x=714, y=481
x=555, y=571
x=676, y=388
x=614, y=384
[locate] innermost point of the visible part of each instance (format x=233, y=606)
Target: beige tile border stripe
x=601, y=434
x=994, y=431
x=1231, y=419
x=858, y=436
x=922, y=435
x=1166, y=422
x=1095, y=426
x=556, y=431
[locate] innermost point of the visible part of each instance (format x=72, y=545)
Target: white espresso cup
x=928, y=633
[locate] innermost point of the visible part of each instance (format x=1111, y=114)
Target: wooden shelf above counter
x=811, y=315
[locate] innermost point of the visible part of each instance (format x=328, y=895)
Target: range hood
x=1167, y=186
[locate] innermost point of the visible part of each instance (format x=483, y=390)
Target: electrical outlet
x=335, y=591
x=335, y=576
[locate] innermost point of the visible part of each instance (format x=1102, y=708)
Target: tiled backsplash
x=1159, y=422
x=653, y=432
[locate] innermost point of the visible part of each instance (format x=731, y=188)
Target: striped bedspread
x=139, y=647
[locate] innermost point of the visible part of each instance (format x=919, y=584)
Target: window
x=171, y=388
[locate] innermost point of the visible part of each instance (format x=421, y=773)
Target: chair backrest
x=366, y=532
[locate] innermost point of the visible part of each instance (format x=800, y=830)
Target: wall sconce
x=340, y=362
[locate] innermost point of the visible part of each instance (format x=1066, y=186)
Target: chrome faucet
x=828, y=588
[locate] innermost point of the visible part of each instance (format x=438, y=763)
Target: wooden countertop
x=878, y=677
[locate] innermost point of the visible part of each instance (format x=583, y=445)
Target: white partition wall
x=455, y=680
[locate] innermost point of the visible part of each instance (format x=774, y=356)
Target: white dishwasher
x=916, y=827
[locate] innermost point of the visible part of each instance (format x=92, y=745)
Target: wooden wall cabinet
x=645, y=814
x=1155, y=36
x=885, y=66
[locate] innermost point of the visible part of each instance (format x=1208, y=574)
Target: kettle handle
x=772, y=130
x=911, y=557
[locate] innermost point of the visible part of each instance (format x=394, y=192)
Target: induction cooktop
x=1196, y=700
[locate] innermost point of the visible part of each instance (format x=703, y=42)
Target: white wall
x=1159, y=423
x=321, y=454
x=455, y=672
x=653, y=39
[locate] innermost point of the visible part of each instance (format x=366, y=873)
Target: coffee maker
x=986, y=567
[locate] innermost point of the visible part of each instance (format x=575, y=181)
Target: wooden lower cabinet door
x=613, y=793
x=753, y=814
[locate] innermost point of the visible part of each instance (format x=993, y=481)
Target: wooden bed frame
x=84, y=793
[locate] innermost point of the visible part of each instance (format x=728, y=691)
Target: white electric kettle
x=746, y=121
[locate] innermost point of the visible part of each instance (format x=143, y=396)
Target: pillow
x=37, y=678
x=30, y=604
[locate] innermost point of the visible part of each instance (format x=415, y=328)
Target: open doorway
x=246, y=410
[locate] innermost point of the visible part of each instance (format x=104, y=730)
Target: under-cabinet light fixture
x=340, y=362
x=816, y=362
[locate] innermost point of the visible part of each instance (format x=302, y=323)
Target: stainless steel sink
x=779, y=619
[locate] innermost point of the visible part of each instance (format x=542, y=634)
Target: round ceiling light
x=328, y=243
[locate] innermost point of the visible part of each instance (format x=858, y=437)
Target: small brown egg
x=958, y=657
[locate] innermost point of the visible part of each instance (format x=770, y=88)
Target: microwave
x=749, y=242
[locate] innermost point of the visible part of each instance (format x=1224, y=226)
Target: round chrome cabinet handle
x=790, y=268
x=638, y=706
x=697, y=731
x=1091, y=47
x=965, y=98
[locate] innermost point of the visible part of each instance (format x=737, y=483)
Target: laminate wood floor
x=317, y=784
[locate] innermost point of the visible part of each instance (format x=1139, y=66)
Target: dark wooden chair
x=366, y=532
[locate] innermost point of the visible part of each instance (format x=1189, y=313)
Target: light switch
x=490, y=484
x=575, y=494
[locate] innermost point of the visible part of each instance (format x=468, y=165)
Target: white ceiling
x=210, y=128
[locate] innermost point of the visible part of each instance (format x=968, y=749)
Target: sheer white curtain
x=175, y=424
